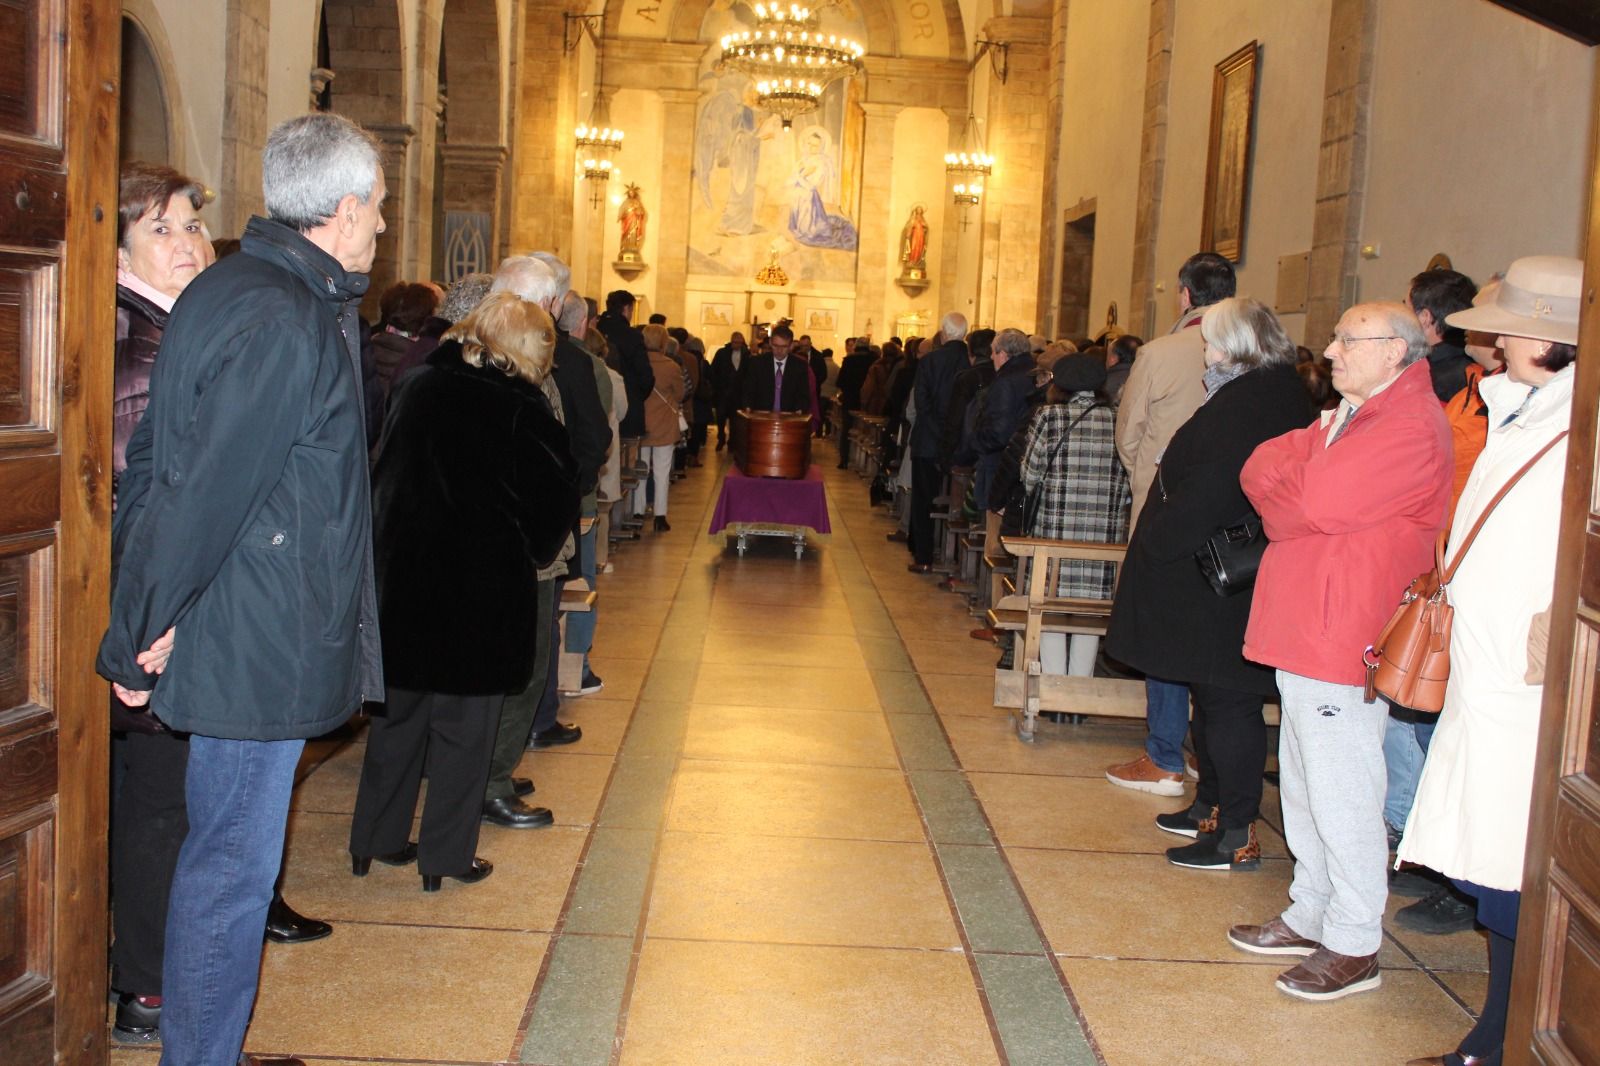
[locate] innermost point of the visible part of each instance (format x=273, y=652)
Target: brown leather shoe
x=1440, y=1060
x=1273, y=938
x=258, y=1060
x=920, y=568
x=1328, y=975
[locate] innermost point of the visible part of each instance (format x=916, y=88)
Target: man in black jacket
x=727, y=367
x=761, y=389
x=1002, y=408
x=634, y=362
x=1434, y=296
x=936, y=374
x=966, y=386
x=244, y=594
x=852, y=375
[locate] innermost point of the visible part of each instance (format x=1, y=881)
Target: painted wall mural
x=761, y=190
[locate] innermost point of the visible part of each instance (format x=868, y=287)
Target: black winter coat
x=936, y=374
x=140, y=324
x=1166, y=620
x=474, y=489
x=244, y=515
x=633, y=362
x=1003, y=410
x=963, y=389
x=588, y=428
x=853, y=375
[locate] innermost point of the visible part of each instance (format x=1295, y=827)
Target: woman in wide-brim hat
x=1470, y=818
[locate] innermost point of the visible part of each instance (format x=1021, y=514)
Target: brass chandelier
x=789, y=58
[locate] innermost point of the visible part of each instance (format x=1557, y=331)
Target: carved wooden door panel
x=58, y=122
x=1555, y=1006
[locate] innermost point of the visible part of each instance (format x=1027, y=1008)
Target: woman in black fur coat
x=473, y=491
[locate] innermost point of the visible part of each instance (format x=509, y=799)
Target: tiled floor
x=797, y=831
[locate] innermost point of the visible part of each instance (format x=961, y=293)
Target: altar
x=771, y=507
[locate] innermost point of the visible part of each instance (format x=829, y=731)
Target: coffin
x=772, y=444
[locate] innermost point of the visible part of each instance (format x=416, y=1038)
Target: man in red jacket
x=1352, y=506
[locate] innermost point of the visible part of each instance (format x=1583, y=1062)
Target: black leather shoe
x=661, y=524
x=560, y=733
x=521, y=786
x=479, y=869
x=514, y=814
x=138, y=1019
x=286, y=926
x=1445, y=911
x=360, y=864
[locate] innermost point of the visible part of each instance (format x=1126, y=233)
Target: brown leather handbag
x=1410, y=661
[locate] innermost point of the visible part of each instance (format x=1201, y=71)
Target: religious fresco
x=762, y=192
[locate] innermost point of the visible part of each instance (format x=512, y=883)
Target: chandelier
x=789, y=58
x=969, y=167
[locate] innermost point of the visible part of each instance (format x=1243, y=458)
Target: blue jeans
x=580, y=624
x=1425, y=733
x=1402, y=760
x=238, y=797
x=1167, y=715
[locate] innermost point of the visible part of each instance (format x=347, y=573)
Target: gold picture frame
x=1233, y=106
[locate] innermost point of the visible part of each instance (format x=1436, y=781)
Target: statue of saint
x=914, y=241
x=632, y=216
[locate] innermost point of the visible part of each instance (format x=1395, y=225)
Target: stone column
x=1152, y=168
x=953, y=294
x=874, y=230
x=472, y=175
x=1049, y=287
x=394, y=147
x=1341, y=165
x=244, y=115
x=677, y=160
x=1017, y=111
x=542, y=210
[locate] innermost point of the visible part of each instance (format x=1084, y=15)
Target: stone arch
x=470, y=155
x=149, y=81
x=366, y=52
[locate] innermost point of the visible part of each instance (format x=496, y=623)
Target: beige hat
x=1538, y=298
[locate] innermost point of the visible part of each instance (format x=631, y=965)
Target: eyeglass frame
x=1345, y=342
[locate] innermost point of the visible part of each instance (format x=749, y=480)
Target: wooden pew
x=576, y=597
x=1033, y=610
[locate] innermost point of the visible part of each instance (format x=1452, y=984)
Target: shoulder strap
x=1066, y=434
x=1446, y=575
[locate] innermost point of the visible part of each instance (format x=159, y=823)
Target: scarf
x=1219, y=375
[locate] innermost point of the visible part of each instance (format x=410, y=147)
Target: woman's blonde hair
x=655, y=337
x=508, y=333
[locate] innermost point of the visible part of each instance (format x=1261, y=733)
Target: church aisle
x=796, y=831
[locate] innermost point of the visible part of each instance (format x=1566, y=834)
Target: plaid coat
x=1084, y=487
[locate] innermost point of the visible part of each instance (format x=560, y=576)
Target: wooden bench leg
x=1030, y=703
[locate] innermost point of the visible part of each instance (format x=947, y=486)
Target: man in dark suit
x=777, y=382
x=852, y=375
x=727, y=370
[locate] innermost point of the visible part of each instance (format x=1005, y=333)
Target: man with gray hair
x=936, y=375
x=1002, y=409
x=1352, y=505
x=574, y=324
x=245, y=609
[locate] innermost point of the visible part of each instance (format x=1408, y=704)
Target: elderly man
x=1352, y=505
x=573, y=323
x=244, y=535
x=1163, y=388
x=936, y=375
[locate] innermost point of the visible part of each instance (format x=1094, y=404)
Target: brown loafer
x=1328, y=975
x=921, y=568
x=260, y=1060
x=1273, y=938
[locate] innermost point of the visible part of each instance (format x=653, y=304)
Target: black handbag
x=1232, y=555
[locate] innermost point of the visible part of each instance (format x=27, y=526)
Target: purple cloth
x=775, y=500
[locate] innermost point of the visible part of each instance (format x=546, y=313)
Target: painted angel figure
x=632, y=217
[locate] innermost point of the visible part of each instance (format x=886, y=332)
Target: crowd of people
x=1425, y=421
x=290, y=483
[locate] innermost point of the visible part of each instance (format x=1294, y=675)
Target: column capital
x=393, y=136
x=468, y=155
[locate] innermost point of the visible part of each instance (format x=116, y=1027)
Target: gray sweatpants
x=1332, y=781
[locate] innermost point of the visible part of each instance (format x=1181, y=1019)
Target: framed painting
x=716, y=314
x=822, y=320
x=1233, y=105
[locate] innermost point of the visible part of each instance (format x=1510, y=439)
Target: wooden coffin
x=770, y=444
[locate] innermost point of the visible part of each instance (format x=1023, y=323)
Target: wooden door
x=58, y=207
x=1556, y=989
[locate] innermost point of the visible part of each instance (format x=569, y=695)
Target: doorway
x=1077, y=270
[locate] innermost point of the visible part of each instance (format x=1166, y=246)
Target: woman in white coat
x=1470, y=819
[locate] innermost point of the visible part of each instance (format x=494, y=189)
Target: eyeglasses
x=1344, y=342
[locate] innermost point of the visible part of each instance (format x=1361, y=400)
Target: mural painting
x=762, y=191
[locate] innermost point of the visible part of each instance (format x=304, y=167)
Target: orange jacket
x=1469, y=428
